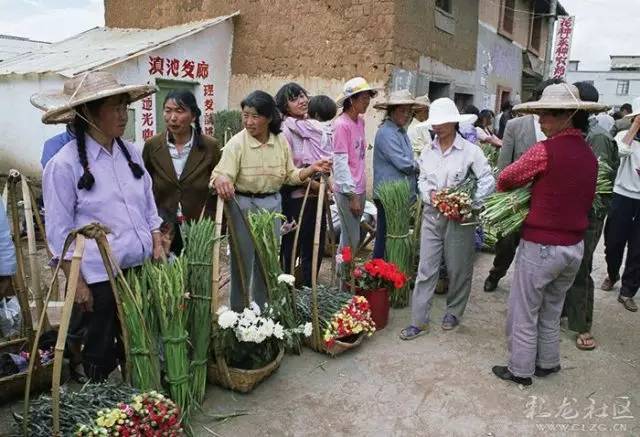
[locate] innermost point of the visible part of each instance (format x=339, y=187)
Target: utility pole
x=553, y=8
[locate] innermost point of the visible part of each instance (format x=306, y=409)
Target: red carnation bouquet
x=378, y=273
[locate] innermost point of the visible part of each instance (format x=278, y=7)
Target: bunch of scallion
x=491, y=153
x=167, y=282
x=145, y=363
x=199, y=254
x=262, y=224
x=604, y=186
x=330, y=301
x=396, y=200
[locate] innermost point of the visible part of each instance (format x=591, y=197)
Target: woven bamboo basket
x=12, y=386
x=338, y=347
x=242, y=380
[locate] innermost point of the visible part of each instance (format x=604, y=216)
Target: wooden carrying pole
x=98, y=233
x=315, y=318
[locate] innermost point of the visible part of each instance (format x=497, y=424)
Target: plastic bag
x=10, y=317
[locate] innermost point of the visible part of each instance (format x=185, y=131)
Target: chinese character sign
x=148, y=123
x=178, y=68
x=209, y=108
x=562, y=48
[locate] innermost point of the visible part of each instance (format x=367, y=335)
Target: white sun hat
x=443, y=111
x=423, y=101
x=560, y=96
x=397, y=98
x=353, y=87
x=635, y=105
x=84, y=88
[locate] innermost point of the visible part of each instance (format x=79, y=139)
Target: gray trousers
x=439, y=236
x=542, y=276
x=256, y=286
x=349, y=223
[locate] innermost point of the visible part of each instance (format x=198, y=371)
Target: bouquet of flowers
x=377, y=273
x=456, y=203
x=341, y=314
x=251, y=339
x=148, y=414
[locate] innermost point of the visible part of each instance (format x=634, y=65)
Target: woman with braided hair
x=98, y=177
x=180, y=161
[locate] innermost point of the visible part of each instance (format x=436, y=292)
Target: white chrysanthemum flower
x=227, y=319
x=290, y=280
x=255, y=308
x=278, y=331
x=222, y=309
x=249, y=315
x=308, y=329
x=267, y=328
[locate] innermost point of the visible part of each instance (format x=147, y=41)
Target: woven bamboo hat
x=397, y=98
x=559, y=96
x=353, y=87
x=60, y=106
x=423, y=101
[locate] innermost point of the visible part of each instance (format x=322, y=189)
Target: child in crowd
x=322, y=110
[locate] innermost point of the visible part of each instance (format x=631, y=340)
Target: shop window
x=507, y=17
x=536, y=33
x=444, y=5
x=623, y=88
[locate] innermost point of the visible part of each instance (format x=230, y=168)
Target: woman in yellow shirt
x=255, y=163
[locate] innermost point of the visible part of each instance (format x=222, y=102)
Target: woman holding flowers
x=392, y=156
x=446, y=163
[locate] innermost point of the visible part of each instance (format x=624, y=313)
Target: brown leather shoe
x=607, y=284
x=628, y=303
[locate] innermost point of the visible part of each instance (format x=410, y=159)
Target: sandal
x=411, y=332
x=585, y=342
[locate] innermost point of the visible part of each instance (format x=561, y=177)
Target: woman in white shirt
x=484, y=129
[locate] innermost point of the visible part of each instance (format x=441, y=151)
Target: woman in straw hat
x=98, y=177
x=623, y=225
x=392, y=156
x=419, y=132
x=349, y=151
x=562, y=170
x=446, y=163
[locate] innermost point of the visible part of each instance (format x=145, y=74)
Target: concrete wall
x=499, y=64
x=22, y=134
x=606, y=83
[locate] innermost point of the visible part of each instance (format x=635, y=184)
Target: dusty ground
x=441, y=384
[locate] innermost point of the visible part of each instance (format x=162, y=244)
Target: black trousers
x=505, y=253
x=291, y=209
x=100, y=329
x=623, y=230
x=380, y=245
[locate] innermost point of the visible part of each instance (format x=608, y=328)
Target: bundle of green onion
x=262, y=225
x=199, y=254
x=330, y=301
x=167, y=282
x=505, y=212
x=145, y=363
x=491, y=153
x=396, y=200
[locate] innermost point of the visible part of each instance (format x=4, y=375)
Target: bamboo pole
x=331, y=234
x=215, y=265
x=72, y=284
x=317, y=339
x=36, y=286
x=294, y=252
x=34, y=358
x=43, y=233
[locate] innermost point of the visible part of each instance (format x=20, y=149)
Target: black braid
x=87, y=180
x=198, y=129
x=137, y=171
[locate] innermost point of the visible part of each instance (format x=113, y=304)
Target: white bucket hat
x=560, y=96
x=87, y=87
x=423, y=101
x=635, y=105
x=443, y=111
x=397, y=98
x=353, y=87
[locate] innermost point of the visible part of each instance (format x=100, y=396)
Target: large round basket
x=13, y=386
x=241, y=380
x=339, y=346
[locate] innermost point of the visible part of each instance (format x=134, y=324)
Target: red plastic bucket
x=379, y=303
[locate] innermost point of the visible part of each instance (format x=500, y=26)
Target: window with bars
x=623, y=88
x=445, y=5
x=507, y=21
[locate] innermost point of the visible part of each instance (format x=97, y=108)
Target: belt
x=255, y=195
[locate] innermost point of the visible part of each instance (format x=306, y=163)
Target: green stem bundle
x=168, y=284
x=144, y=354
x=396, y=200
x=199, y=254
x=330, y=301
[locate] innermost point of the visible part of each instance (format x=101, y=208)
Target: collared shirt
x=54, y=144
x=117, y=200
x=257, y=168
x=178, y=158
x=349, y=151
x=393, y=157
x=419, y=135
x=7, y=250
x=440, y=170
x=628, y=177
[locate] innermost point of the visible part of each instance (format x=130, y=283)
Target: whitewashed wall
x=22, y=134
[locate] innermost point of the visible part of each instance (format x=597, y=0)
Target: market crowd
x=289, y=142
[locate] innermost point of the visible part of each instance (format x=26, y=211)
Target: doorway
x=438, y=89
